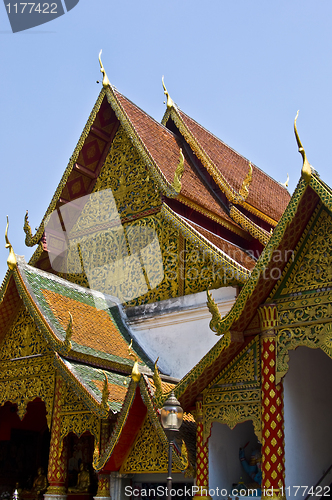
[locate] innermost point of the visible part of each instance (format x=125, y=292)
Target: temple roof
x=235, y=328
x=266, y=198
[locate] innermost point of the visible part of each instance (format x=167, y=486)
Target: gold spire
x=244, y=189
x=157, y=381
x=170, y=102
x=106, y=81
x=135, y=373
x=176, y=184
x=306, y=167
x=105, y=393
x=11, y=261
x=69, y=331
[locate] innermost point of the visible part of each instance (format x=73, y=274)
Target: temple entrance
x=24, y=446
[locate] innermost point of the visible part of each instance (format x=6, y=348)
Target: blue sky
x=242, y=69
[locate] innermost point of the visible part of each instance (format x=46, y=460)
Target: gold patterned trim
x=259, y=214
x=257, y=232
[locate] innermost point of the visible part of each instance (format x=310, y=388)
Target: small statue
x=40, y=483
x=83, y=481
x=253, y=468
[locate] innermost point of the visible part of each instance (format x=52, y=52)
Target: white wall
x=308, y=416
x=224, y=464
x=177, y=330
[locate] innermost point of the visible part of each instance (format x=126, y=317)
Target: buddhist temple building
x=166, y=262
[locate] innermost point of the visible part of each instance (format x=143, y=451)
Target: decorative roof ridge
x=94, y=405
x=232, y=149
x=217, y=236
x=69, y=284
x=254, y=229
x=144, y=392
x=31, y=240
x=216, y=254
x=143, y=150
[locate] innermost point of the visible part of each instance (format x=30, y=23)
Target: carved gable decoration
x=150, y=454
x=312, y=269
x=23, y=339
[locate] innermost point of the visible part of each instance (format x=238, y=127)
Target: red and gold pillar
x=57, y=462
x=273, y=442
x=202, y=457
x=104, y=478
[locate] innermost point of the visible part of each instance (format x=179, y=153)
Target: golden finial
x=244, y=189
x=105, y=393
x=135, y=373
x=306, y=167
x=106, y=81
x=157, y=381
x=285, y=184
x=176, y=184
x=170, y=102
x=69, y=331
x=11, y=261
x=213, y=308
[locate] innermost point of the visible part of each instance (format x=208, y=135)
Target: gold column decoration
x=104, y=478
x=57, y=462
x=273, y=438
x=11, y=261
x=202, y=456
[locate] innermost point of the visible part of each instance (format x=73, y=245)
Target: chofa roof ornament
x=306, y=167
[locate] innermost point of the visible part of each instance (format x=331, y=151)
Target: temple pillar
x=57, y=462
x=273, y=438
x=104, y=486
x=202, y=457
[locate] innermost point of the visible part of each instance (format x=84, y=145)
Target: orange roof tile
x=265, y=194
x=117, y=393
